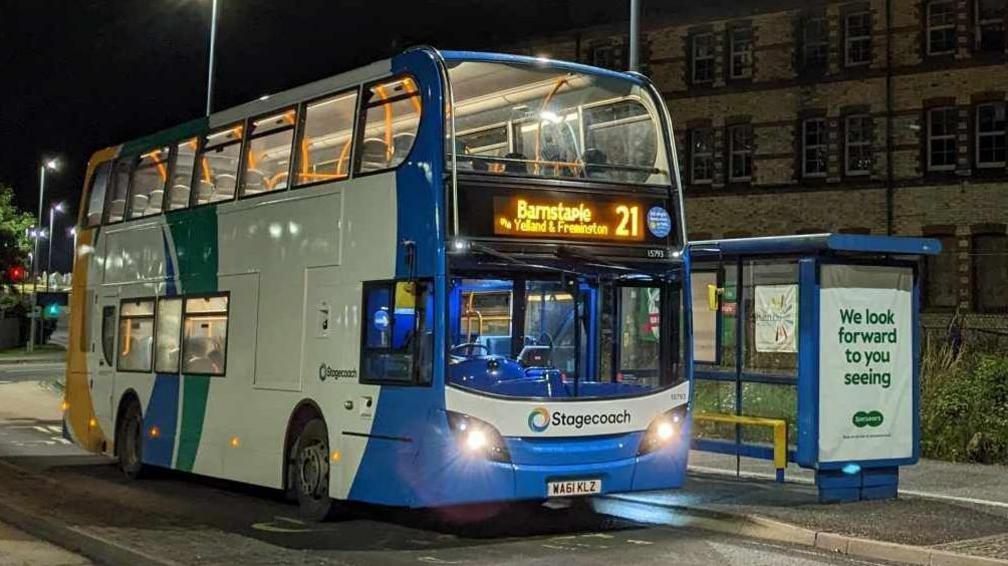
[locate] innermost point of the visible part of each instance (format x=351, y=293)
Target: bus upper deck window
x=391, y=119
x=328, y=137
x=96, y=196
x=218, y=165
x=268, y=155
x=116, y=207
x=149, y=179
x=181, y=175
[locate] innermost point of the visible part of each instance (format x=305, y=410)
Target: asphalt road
x=30, y=372
x=187, y=519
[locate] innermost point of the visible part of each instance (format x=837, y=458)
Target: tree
x=14, y=241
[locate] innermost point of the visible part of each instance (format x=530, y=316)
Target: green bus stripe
x=194, y=233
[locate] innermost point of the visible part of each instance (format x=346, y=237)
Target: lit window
x=204, y=337
x=741, y=53
x=96, y=196
x=218, y=165
x=941, y=28
x=149, y=178
x=815, y=43
x=990, y=271
x=391, y=119
x=268, y=154
x=168, y=336
x=701, y=155
x=136, y=335
x=703, y=58
x=941, y=138
x=990, y=25
x=857, y=39
x=324, y=150
x=991, y=137
x=740, y=151
x=181, y=176
x=814, y=147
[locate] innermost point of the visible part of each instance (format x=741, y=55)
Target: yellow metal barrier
x=779, y=433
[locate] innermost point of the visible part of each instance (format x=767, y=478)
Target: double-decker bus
x=443, y=278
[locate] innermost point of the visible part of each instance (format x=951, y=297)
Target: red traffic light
x=17, y=274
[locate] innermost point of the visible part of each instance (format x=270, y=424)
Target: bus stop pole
x=635, y=36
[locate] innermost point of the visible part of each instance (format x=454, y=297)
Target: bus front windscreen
x=538, y=121
x=542, y=336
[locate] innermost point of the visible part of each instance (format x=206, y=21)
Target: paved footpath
x=20, y=549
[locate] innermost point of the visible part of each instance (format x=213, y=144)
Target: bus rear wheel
x=309, y=471
x=129, y=441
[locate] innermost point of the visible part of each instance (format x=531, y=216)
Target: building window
x=136, y=335
x=941, y=139
x=815, y=43
x=857, y=39
x=740, y=152
x=858, y=145
x=703, y=57
x=990, y=271
x=941, y=276
x=701, y=156
x=814, y=150
x=941, y=27
x=204, y=335
x=268, y=153
x=740, y=53
x=990, y=25
x=991, y=137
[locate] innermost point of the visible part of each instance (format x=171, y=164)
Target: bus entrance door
x=103, y=348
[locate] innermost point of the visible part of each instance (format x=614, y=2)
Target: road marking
x=805, y=481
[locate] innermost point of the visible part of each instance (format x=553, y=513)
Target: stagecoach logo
x=539, y=419
x=326, y=371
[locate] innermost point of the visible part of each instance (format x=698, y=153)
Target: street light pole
x=635, y=35
x=58, y=207
x=210, y=67
x=48, y=164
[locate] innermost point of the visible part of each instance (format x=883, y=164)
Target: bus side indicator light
x=155, y=432
x=92, y=423
x=235, y=442
x=336, y=456
x=65, y=406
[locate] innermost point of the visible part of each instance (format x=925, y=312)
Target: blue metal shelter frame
x=837, y=481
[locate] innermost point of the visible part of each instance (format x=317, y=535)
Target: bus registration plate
x=572, y=488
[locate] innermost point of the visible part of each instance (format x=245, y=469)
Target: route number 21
x=629, y=224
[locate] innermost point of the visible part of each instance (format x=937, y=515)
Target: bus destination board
x=569, y=218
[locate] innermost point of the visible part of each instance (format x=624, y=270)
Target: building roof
x=812, y=243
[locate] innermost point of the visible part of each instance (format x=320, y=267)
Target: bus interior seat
x=401, y=144
x=116, y=206
x=374, y=154
x=224, y=188
x=255, y=182
x=139, y=352
x=515, y=166
x=155, y=201
x=203, y=354
x=178, y=197
x=594, y=156
x=535, y=356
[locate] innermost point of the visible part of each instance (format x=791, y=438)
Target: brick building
x=881, y=117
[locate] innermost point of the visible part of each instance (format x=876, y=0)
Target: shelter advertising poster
x=865, y=363
x=776, y=318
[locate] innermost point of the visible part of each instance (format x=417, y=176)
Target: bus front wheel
x=309, y=471
x=129, y=442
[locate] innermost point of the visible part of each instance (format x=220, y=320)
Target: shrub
x=964, y=405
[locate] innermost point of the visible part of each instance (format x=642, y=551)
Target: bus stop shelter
x=819, y=335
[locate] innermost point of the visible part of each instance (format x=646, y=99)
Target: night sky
x=79, y=75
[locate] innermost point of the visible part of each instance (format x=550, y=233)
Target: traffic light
x=51, y=311
x=16, y=274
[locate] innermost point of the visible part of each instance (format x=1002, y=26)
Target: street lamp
x=73, y=253
x=58, y=207
x=213, y=46
x=51, y=164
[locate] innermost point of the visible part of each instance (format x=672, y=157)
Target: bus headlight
x=477, y=438
x=662, y=431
